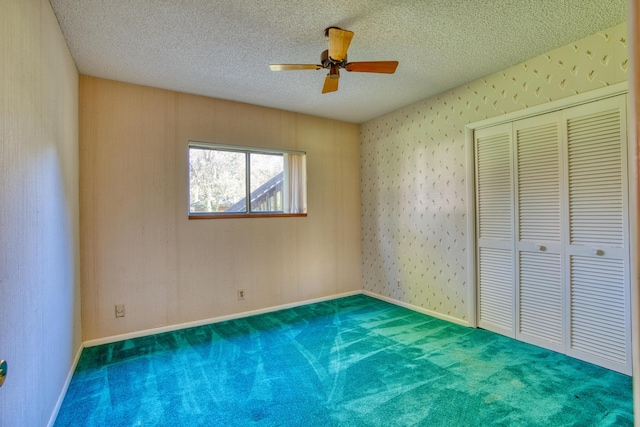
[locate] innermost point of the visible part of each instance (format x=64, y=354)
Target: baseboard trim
x=418, y=309
x=177, y=327
x=65, y=387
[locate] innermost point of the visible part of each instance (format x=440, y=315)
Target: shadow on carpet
x=354, y=361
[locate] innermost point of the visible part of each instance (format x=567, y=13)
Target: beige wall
x=413, y=170
x=140, y=249
x=39, y=235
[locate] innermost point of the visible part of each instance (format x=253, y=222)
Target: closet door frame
x=632, y=167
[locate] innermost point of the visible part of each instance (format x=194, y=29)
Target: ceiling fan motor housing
x=327, y=61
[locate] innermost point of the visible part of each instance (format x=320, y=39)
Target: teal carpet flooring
x=354, y=361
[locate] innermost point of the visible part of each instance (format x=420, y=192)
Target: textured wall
x=140, y=249
x=39, y=236
x=413, y=189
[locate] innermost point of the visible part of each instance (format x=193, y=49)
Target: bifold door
x=553, y=232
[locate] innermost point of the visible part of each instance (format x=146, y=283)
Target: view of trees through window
x=218, y=181
x=267, y=177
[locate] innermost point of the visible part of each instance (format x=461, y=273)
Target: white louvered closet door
x=552, y=209
x=598, y=234
x=539, y=252
x=494, y=216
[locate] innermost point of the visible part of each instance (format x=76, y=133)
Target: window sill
x=250, y=215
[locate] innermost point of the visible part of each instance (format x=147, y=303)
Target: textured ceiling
x=223, y=48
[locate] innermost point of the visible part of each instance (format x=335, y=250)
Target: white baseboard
x=177, y=327
x=65, y=387
x=418, y=309
x=171, y=328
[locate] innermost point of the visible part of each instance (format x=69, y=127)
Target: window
x=230, y=181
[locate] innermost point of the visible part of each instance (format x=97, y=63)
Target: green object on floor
x=354, y=361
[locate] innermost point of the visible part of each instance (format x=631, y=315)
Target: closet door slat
x=598, y=309
x=594, y=164
x=541, y=298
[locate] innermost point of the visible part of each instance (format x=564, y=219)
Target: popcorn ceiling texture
x=222, y=49
x=413, y=188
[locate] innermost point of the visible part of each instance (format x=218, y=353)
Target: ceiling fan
x=335, y=58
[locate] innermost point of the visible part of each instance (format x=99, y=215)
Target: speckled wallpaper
x=413, y=178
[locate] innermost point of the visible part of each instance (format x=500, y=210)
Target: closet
x=552, y=228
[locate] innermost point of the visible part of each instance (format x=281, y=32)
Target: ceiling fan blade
x=330, y=84
x=287, y=67
x=339, y=41
x=386, y=67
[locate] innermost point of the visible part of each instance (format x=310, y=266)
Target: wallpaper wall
x=413, y=187
x=39, y=213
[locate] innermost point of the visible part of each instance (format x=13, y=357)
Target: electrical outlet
x=240, y=294
x=119, y=310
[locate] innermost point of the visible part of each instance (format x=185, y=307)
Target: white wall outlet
x=119, y=310
x=240, y=294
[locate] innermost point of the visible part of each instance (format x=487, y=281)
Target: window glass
x=217, y=180
x=235, y=181
x=266, y=179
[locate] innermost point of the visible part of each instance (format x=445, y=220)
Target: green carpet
x=354, y=361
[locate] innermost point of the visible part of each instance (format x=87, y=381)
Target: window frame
x=247, y=151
